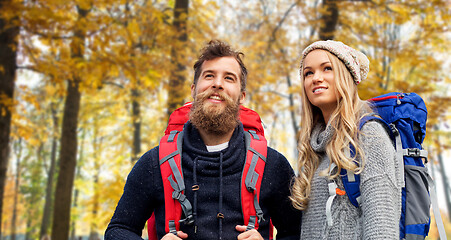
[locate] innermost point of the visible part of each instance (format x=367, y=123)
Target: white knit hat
x=356, y=62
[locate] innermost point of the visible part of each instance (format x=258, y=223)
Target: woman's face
x=319, y=82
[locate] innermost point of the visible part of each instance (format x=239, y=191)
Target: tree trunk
x=49, y=188
x=136, y=117
x=33, y=194
x=68, y=150
x=94, y=235
x=294, y=122
x=78, y=176
x=177, y=78
x=8, y=66
x=28, y=229
x=18, y=153
x=67, y=163
x=329, y=20
x=75, y=205
x=97, y=144
x=445, y=183
x=444, y=177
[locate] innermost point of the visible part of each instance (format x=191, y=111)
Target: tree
x=9, y=31
x=177, y=79
x=50, y=175
x=68, y=152
x=18, y=153
x=128, y=61
x=329, y=20
x=97, y=149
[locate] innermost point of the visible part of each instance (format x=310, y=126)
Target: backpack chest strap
x=333, y=192
x=351, y=184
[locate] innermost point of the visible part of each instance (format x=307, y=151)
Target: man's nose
x=218, y=82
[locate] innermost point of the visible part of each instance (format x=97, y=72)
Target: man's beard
x=214, y=119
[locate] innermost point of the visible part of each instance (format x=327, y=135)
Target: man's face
x=217, y=96
x=222, y=76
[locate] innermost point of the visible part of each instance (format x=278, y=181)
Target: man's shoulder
x=273, y=153
x=277, y=160
x=151, y=152
x=150, y=157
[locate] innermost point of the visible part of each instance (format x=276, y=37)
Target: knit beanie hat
x=356, y=62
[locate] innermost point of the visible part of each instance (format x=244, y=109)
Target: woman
x=331, y=111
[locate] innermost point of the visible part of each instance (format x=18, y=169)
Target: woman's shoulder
x=375, y=128
x=378, y=149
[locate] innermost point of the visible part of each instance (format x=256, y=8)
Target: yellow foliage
x=8, y=208
x=407, y=43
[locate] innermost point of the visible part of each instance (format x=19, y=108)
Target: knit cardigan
x=380, y=207
x=218, y=192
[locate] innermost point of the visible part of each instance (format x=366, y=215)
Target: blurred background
x=87, y=86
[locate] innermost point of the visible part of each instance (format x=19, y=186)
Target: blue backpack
x=404, y=115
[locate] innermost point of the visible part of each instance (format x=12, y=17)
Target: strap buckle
x=188, y=220
x=413, y=152
x=251, y=224
x=254, y=134
x=394, y=129
x=178, y=195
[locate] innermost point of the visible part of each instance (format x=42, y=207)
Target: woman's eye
x=328, y=68
x=307, y=73
x=230, y=78
x=209, y=76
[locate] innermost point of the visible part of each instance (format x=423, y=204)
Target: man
x=213, y=157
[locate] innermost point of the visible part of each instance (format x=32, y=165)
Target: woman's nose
x=318, y=77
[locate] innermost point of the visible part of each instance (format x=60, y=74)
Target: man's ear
x=242, y=97
x=193, y=90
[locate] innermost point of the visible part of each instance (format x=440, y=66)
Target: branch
x=279, y=24
x=30, y=68
x=113, y=83
x=50, y=36
x=99, y=30
x=277, y=93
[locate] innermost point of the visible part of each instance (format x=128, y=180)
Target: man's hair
x=216, y=49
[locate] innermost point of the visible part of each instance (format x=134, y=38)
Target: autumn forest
x=86, y=87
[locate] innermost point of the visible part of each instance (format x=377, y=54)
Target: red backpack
x=170, y=150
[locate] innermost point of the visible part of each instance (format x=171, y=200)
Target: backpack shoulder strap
x=256, y=151
x=351, y=181
x=170, y=151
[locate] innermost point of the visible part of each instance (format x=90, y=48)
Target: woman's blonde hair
x=344, y=120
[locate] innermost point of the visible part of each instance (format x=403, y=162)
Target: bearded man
x=213, y=156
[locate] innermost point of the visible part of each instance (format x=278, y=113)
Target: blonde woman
x=331, y=111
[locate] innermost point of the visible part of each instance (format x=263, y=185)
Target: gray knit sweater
x=380, y=207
